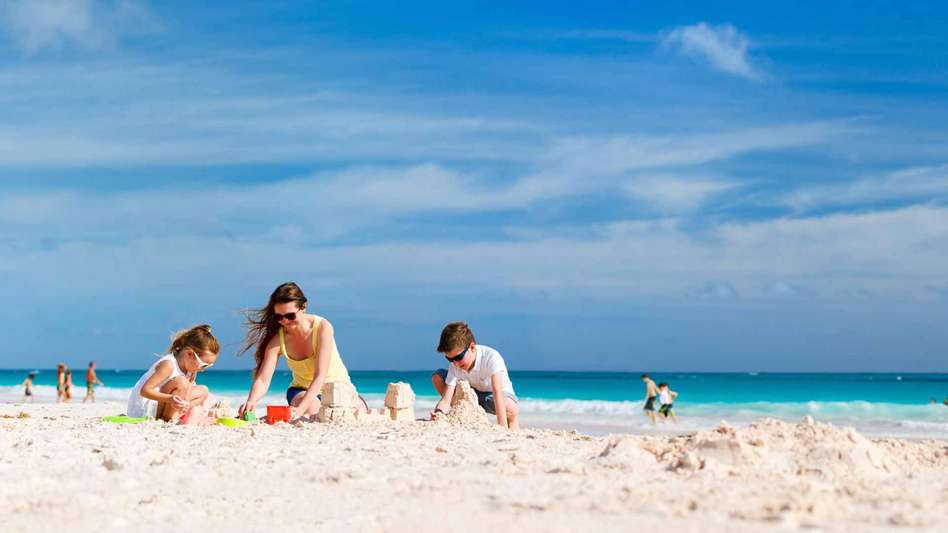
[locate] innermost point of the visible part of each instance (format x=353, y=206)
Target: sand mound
x=465, y=410
x=806, y=449
x=626, y=453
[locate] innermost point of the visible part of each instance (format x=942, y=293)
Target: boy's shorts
x=665, y=409
x=484, y=399
x=650, y=403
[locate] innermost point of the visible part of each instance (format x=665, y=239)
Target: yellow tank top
x=305, y=371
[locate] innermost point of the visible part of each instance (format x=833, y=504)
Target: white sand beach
x=62, y=465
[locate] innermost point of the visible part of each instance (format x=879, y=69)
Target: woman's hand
x=249, y=406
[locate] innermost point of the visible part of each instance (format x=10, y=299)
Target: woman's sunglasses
x=288, y=316
x=459, y=356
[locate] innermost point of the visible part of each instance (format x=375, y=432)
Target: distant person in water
x=67, y=385
x=91, y=381
x=946, y=400
x=666, y=399
x=60, y=381
x=651, y=393
x=28, y=387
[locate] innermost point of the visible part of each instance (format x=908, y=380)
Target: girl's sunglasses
x=288, y=316
x=459, y=356
x=201, y=364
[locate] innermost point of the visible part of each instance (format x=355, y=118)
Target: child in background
x=28, y=387
x=482, y=367
x=67, y=385
x=167, y=391
x=666, y=397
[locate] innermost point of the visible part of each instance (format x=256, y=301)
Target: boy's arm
x=500, y=401
x=445, y=401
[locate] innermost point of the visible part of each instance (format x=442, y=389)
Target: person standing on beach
x=28, y=387
x=651, y=392
x=60, y=381
x=307, y=341
x=91, y=381
x=482, y=367
x=67, y=385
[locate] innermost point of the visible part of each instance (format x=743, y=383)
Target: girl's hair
x=198, y=338
x=261, y=327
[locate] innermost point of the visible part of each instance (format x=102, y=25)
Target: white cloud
x=674, y=194
x=723, y=46
x=37, y=25
x=919, y=183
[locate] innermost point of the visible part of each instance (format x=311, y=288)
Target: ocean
x=610, y=402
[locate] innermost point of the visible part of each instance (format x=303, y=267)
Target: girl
x=167, y=391
x=283, y=328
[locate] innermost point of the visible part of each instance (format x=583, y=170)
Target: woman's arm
x=326, y=340
x=261, y=382
x=151, y=386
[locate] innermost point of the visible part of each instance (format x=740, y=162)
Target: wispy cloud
x=918, y=184
x=723, y=47
x=37, y=25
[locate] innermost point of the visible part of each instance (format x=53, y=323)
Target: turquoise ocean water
x=601, y=402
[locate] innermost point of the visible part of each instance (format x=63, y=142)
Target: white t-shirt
x=665, y=397
x=487, y=363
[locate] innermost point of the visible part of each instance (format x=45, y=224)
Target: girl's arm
x=500, y=401
x=261, y=382
x=326, y=340
x=151, y=386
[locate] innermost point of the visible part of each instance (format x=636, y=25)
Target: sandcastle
x=340, y=402
x=400, y=401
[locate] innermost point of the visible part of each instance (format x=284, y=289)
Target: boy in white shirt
x=482, y=367
x=666, y=398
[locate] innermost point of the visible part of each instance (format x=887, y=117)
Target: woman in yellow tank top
x=283, y=328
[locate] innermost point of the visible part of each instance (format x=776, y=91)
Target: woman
x=284, y=328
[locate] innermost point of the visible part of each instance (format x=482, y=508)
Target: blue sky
x=612, y=186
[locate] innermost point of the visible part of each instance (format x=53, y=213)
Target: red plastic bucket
x=278, y=413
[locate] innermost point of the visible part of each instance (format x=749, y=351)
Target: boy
x=666, y=397
x=651, y=392
x=479, y=365
x=91, y=381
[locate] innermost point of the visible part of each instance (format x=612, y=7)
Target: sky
x=634, y=186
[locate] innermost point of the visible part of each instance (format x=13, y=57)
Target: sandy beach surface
x=63, y=468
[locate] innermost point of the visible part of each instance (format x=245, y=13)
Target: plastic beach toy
x=122, y=419
x=231, y=422
x=251, y=417
x=278, y=413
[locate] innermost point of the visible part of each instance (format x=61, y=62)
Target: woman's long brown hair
x=261, y=327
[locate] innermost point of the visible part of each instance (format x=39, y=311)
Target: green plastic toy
x=231, y=422
x=122, y=419
x=251, y=417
